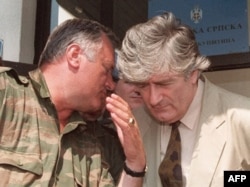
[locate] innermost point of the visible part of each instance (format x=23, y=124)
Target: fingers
x=120, y=111
x=128, y=131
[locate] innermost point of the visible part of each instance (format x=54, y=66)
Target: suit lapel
x=210, y=140
x=207, y=153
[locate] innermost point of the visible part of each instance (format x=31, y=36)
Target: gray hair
x=160, y=45
x=87, y=33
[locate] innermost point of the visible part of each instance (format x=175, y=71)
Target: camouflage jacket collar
x=39, y=83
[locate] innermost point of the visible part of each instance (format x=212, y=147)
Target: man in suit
x=162, y=58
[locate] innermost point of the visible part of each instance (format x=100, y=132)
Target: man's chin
x=91, y=116
x=160, y=116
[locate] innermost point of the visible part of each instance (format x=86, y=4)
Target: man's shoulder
x=224, y=96
x=232, y=98
x=218, y=101
x=10, y=73
x=4, y=69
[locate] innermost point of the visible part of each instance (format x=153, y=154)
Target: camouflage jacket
x=32, y=151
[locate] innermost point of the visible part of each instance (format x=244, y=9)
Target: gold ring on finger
x=131, y=121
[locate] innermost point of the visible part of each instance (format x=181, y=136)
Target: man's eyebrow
x=164, y=80
x=138, y=83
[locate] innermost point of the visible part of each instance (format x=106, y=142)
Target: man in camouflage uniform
x=43, y=139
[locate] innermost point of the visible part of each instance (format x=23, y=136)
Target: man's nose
x=154, y=95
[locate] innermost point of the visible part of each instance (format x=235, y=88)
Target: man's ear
x=73, y=55
x=194, y=76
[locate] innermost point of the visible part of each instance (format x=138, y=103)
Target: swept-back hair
x=162, y=44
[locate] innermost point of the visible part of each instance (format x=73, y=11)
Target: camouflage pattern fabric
x=32, y=151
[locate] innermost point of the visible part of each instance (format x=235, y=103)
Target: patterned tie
x=170, y=168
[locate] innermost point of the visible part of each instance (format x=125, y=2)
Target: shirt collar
x=192, y=115
x=75, y=121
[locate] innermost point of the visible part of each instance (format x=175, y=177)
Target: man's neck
x=63, y=117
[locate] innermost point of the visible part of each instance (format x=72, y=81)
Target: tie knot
x=175, y=125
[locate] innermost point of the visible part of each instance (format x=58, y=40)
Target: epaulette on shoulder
x=4, y=69
x=21, y=79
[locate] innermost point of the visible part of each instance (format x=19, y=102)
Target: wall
x=17, y=29
x=63, y=15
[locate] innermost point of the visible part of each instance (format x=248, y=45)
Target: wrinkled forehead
x=157, y=78
x=165, y=75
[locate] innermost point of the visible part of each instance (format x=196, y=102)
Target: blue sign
x=220, y=26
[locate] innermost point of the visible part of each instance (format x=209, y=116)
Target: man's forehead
x=108, y=63
x=155, y=78
x=163, y=76
x=109, y=59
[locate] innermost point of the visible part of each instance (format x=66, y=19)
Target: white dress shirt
x=188, y=132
